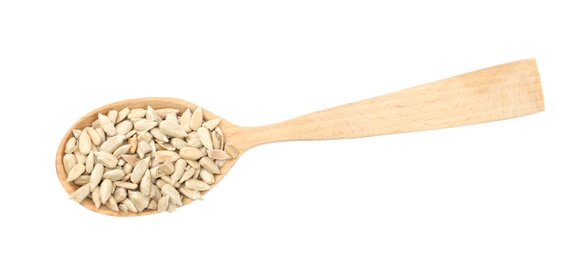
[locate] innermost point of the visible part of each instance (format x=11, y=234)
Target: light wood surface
x=496, y=93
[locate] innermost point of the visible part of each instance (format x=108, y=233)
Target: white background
x=512, y=189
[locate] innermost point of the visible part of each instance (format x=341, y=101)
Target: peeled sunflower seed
x=172, y=129
x=82, y=180
x=122, y=114
x=107, y=125
x=95, y=197
x=80, y=194
x=95, y=176
x=84, y=142
x=114, y=175
x=139, y=200
x=191, y=153
x=209, y=165
x=205, y=137
x=69, y=161
x=126, y=185
x=196, y=119
x=76, y=171
x=169, y=190
x=105, y=190
x=112, y=205
x=197, y=185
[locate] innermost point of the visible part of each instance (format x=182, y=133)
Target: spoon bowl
x=496, y=93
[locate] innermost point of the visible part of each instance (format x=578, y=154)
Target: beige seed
x=114, y=175
x=163, y=203
x=130, y=205
x=111, y=144
x=112, y=205
x=136, y=113
x=79, y=156
x=197, y=185
x=160, y=183
x=152, y=205
x=69, y=161
x=217, y=154
x=127, y=168
x=133, y=142
x=162, y=156
x=217, y=139
x=124, y=127
x=171, y=208
x=220, y=163
x=169, y=190
x=179, y=170
x=231, y=150
x=107, y=159
x=144, y=125
x=122, y=150
x=171, y=117
x=101, y=134
x=187, y=175
x=123, y=208
x=178, y=143
x=162, y=112
x=139, y=200
x=209, y=165
x=187, y=192
x=145, y=183
x=166, y=168
x=193, y=164
x=195, y=142
x=172, y=129
x=76, y=171
x=211, y=124
x=164, y=145
x=95, y=139
x=84, y=142
x=190, y=153
x=185, y=120
x=76, y=133
x=82, y=180
x=131, y=134
x=122, y=114
x=96, y=175
x=207, y=177
x=143, y=148
x=152, y=115
x=105, y=190
x=154, y=193
x=130, y=159
x=156, y=133
x=112, y=115
x=126, y=185
x=196, y=119
x=140, y=170
x=120, y=194
x=107, y=125
x=89, y=162
x=71, y=145
x=80, y=194
x=205, y=137
x=95, y=197
x=96, y=124
x=167, y=180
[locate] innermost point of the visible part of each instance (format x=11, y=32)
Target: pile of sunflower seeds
x=145, y=159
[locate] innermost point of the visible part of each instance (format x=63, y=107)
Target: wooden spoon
x=500, y=92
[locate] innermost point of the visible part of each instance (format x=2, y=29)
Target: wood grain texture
x=501, y=92
x=496, y=93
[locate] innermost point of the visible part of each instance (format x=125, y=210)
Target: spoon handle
x=495, y=93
